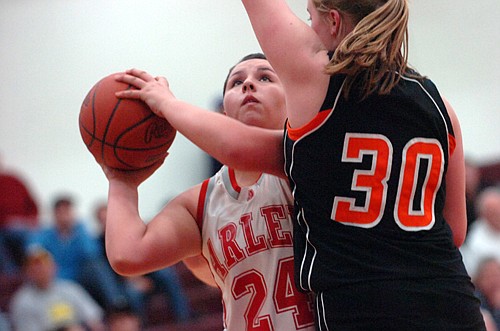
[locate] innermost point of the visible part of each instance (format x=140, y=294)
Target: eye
x=266, y=79
x=236, y=82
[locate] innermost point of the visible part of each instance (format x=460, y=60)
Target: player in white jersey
x=234, y=230
x=247, y=239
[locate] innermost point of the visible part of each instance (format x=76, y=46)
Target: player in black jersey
x=375, y=159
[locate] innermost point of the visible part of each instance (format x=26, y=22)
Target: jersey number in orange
x=374, y=182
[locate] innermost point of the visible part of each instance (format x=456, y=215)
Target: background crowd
x=63, y=272
x=63, y=280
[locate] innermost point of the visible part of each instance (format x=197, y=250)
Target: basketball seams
x=131, y=128
x=108, y=124
x=91, y=95
x=117, y=148
x=122, y=133
x=138, y=149
x=94, y=125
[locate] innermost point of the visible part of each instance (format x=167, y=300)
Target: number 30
x=374, y=182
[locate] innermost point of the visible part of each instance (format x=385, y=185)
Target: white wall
x=53, y=51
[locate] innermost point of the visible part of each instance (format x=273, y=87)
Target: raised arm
x=134, y=247
x=296, y=53
x=233, y=143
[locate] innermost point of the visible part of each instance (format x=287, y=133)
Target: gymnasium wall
x=53, y=51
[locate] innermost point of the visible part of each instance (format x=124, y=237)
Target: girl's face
x=331, y=27
x=320, y=25
x=255, y=96
x=41, y=271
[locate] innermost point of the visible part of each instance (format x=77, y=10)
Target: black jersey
x=368, y=178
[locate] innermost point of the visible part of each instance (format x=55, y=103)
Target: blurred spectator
x=165, y=281
x=133, y=287
x=44, y=303
x=4, y=322
x=473, y=185
x=124, y=320
x=484, y=236
x=77, y=255
x=18, y=216
x=487, y=282
x=72, y=327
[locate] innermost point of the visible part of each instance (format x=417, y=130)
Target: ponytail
x=375, y=53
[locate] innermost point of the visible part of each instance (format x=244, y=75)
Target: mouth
x=249, y=99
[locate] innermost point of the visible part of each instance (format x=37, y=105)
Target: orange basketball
x=122, y=133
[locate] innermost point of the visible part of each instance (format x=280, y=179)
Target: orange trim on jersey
x=232, y=178
x=201, y=204
x=297, y=133
x=452, y=143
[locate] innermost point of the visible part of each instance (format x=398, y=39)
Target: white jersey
x=247, y=240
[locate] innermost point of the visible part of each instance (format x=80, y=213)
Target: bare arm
x=295, y=52
x=454, y=209
x=233, y=143
x=134, y=247
x=198, y=265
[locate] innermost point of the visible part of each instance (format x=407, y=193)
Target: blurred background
x=53, y=51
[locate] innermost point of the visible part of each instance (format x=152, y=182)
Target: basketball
x=122, y=134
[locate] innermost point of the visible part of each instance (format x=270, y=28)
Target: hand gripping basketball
x=122, y=133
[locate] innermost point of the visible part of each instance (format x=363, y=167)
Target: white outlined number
x=373, y=182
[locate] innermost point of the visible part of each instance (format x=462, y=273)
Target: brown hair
x=375, y=53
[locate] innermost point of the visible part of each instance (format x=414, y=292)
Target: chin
x=254, y=122
x=253, y=119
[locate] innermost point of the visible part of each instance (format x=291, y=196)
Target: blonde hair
x=375, y=53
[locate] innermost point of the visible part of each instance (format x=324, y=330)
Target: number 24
x=285, y=296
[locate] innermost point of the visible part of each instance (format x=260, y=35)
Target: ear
x=335, y=20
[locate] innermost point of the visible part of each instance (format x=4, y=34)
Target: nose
x=248, y=85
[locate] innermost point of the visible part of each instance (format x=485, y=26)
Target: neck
x=65, y=230
x=246, y=178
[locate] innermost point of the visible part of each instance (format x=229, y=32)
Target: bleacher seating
x=205, y=302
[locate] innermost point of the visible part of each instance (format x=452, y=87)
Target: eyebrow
x=263, y=68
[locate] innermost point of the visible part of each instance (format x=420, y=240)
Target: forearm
x=124, y=226
x=233, y=143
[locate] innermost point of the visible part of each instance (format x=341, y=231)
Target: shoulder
x=478, y=228
x=43, y=236
x=70, y=289
x=11, y=180
x=184, y=205
x=67, y=284
x=282, y=183
x=81, y=228
x=23, y=297
x=188, y=198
